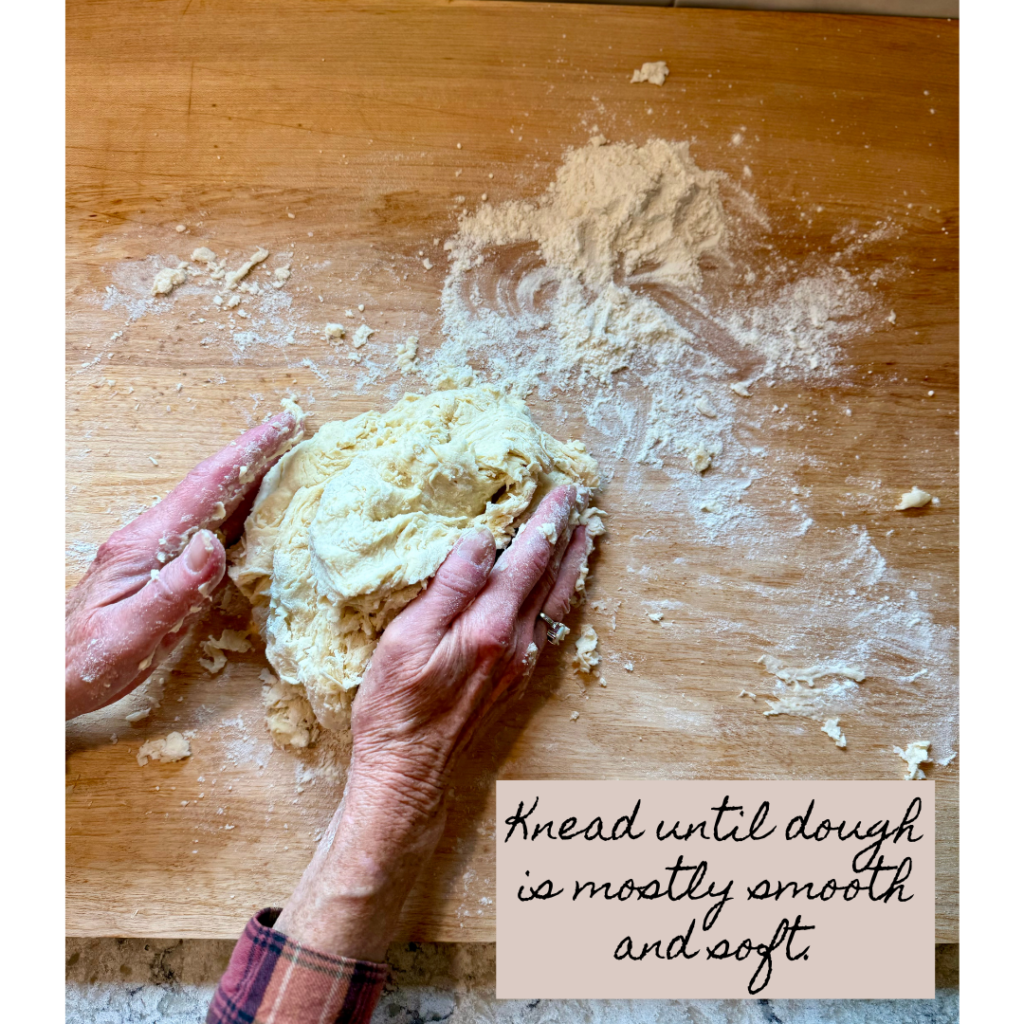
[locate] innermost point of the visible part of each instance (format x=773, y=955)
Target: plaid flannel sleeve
x=272, y=980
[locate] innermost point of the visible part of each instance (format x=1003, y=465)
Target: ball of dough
x=350, y=525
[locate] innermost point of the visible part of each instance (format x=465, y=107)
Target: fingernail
x=477, y=547
x=197, y=554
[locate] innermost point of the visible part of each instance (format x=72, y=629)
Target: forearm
x=349, y=900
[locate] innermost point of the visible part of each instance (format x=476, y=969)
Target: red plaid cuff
x=272, y=980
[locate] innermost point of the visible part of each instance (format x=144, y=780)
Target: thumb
x=181, y=585
x=462, y=575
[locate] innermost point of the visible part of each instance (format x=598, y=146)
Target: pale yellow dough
x=586, y=658
x=351, y=524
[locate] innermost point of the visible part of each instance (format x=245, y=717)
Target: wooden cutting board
x=332, y=130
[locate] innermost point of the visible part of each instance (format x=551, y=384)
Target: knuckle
x=112, y=550
x=462, y=580
x=493, y=640
x=560, y=608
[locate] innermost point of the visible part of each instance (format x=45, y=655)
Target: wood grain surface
x=226, y=117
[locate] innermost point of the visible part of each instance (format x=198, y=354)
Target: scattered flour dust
x=645, y=294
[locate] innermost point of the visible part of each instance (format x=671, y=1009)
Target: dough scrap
x=700, y=459
x=362, y=335
x=350, y=525
x=405, y=354
x=914, y=498
x=172, y=747
x=811, y=673
x=915, y=755
x=168, y=279
x=586, y=658
x=232, y=278
x=654, y=72
x=832, y=730
x=230, y=640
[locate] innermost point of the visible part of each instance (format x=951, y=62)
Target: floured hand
x=153, y=578
x=444, y=666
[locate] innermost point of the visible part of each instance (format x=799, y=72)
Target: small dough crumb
x=334, y=331
x=705, y=408
x=550, y=533
x=654, y=72
x=741, y=389
x=655, y=616
x=586, y=658
x=574, y=716
x=914, y=498
x=168, y=279
x=530, y=658
x=362, y=335
x=230, y=640
x=172, y=747
x=232, y=279
x=915, y=755
x=203, y=255
x=700, y=459
x=832, y=730
x=405, y=354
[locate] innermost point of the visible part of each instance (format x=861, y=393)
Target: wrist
x=349, y=901
x=396, y=794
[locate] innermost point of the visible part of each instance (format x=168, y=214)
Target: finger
x=164, y=648
x=534, y=604
x=182, y=587
x=532, y=630
x=130, y=632
x=462, y=575
x=558, y=602
x=211, y=492
x=234, y=523
x=521, y=566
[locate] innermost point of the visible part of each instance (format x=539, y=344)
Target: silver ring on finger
x=557, y=631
